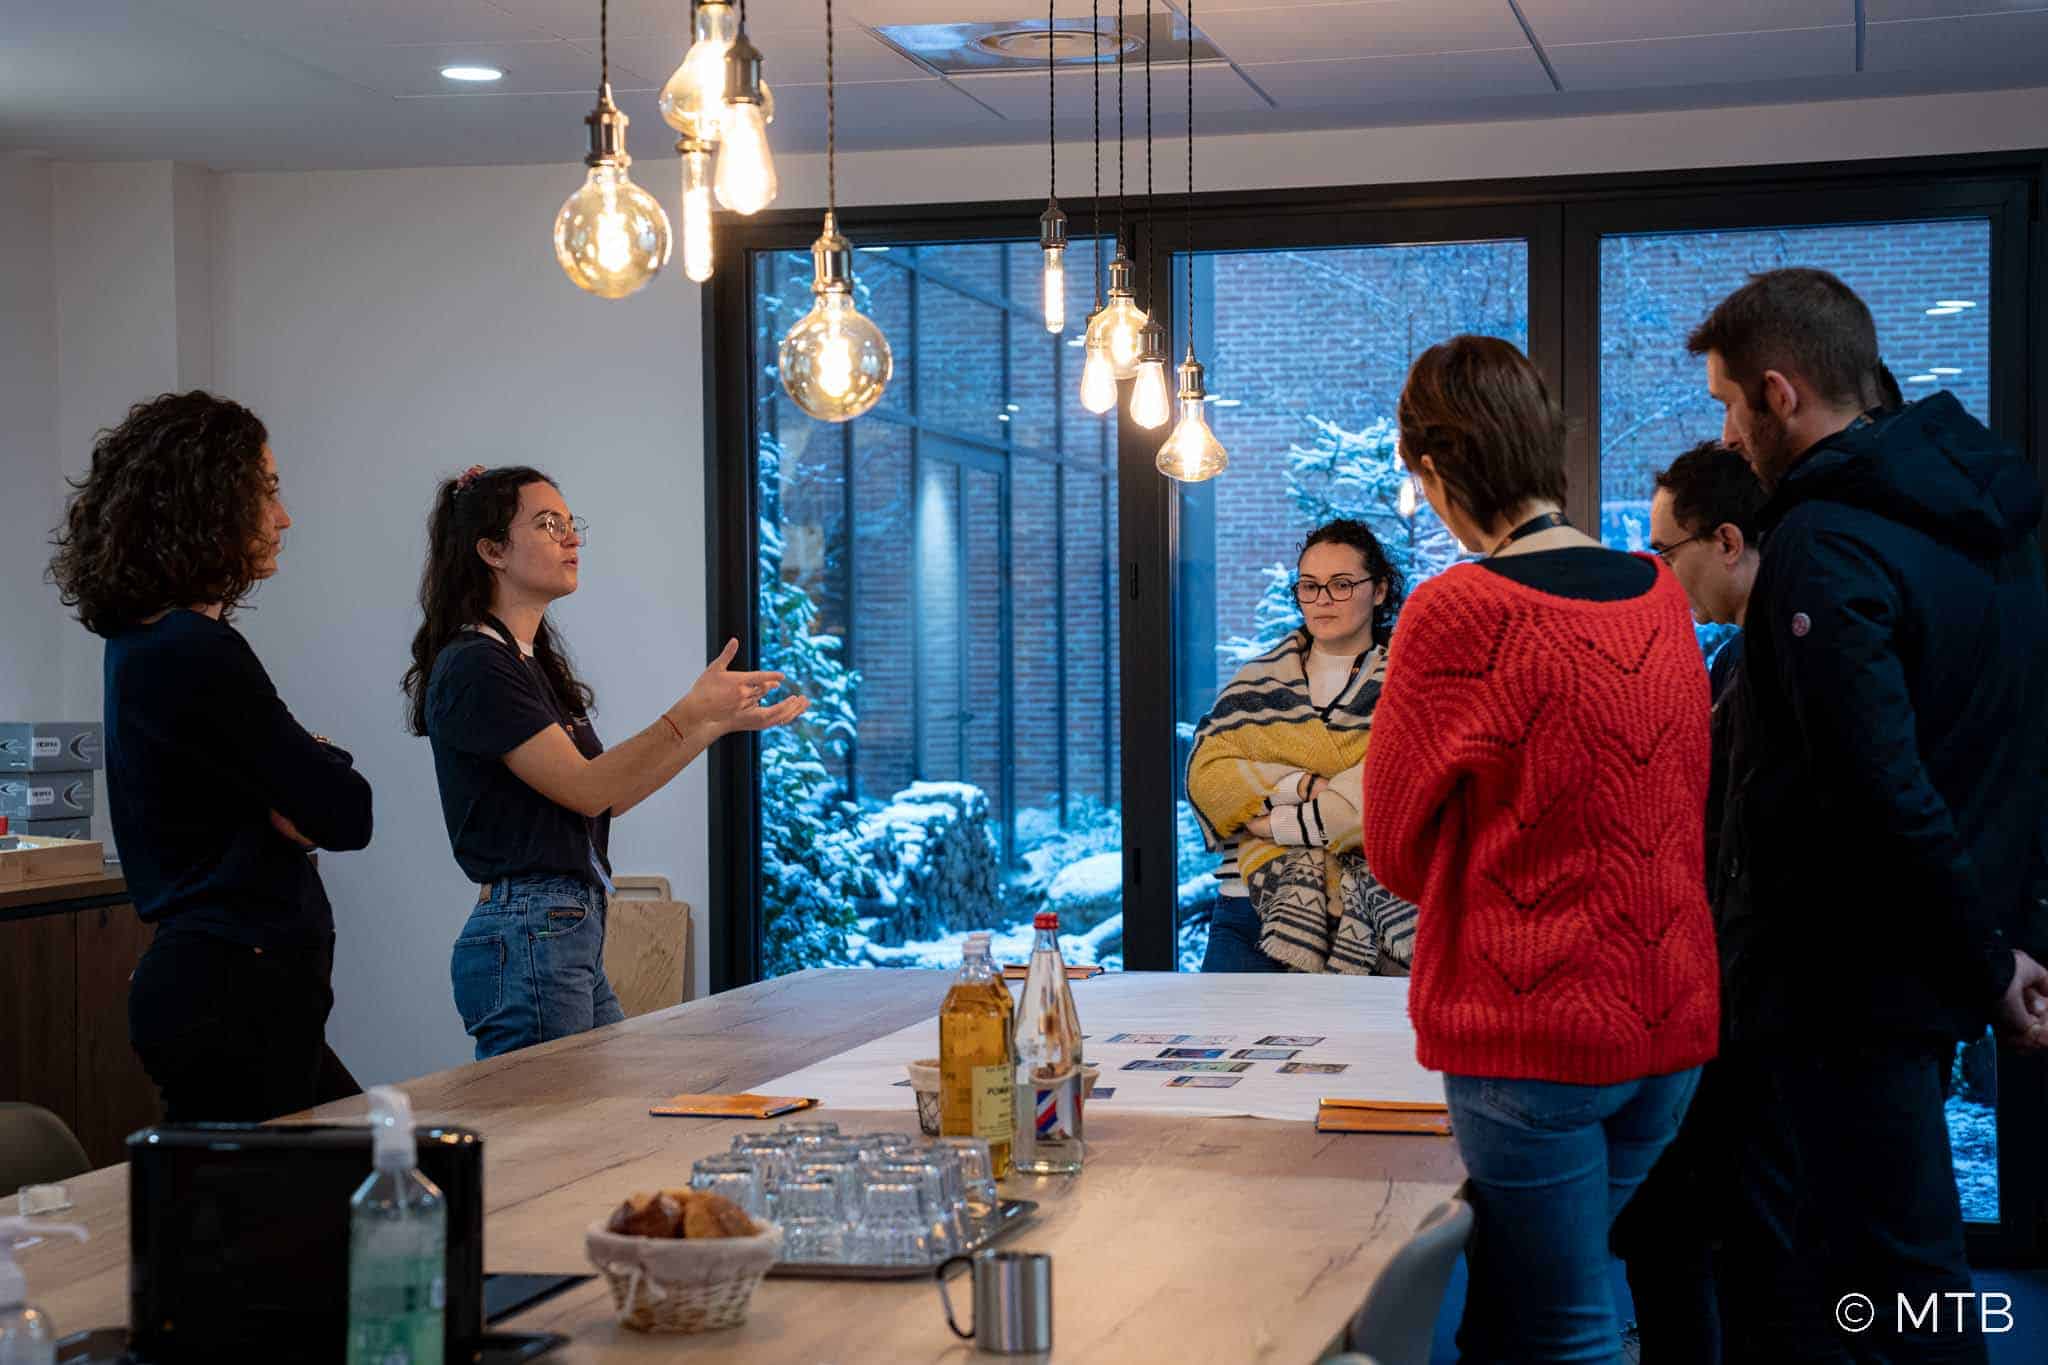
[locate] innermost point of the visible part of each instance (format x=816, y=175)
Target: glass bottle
x=1049, y=1079
x=977, y=1057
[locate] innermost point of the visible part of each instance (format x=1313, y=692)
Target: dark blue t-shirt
x=200, y=751
x=484, y=699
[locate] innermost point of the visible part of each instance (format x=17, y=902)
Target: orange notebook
x=729, y=1106
x=1383, y=1116
x=1015, y=972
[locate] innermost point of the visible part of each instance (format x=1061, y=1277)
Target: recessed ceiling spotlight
x=472, y=73
x=1954, y=303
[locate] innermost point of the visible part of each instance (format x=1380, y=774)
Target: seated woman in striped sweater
x=1267, y=778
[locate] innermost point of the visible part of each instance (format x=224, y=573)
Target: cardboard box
x=42, y=860
x=78, y=828
x=51, y=746
x=45, y=796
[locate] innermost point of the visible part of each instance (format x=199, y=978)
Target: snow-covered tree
x=1353, y=474
x=812, y=866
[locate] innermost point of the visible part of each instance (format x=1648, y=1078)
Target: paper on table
x=1362, y=1021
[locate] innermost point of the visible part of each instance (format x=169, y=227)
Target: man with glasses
x=1703, y=524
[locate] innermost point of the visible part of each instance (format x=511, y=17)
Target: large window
x=1010, y=624
x=1307, y=352
x=939, y=575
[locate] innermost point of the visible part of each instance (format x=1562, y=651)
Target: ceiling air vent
x=1020, y=44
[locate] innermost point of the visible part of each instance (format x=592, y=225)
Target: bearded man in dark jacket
x=1880, y=844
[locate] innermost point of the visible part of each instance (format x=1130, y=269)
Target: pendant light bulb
x=1052, y=237
x=1116, y=327
x=1098, y=375
x=746, y=170
x=835, y=362
x=693, y=100
x=1192, y=453
x=696, y=209
x=611, y=236
x=1151, y=400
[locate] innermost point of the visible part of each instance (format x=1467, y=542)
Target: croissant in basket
x=680, y=1213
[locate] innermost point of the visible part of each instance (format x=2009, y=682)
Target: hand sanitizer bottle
x=27, y=1336
x=397, y=1248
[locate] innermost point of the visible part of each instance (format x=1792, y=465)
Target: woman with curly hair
x=1276, y=769
x=215, y=792
x=527, y=790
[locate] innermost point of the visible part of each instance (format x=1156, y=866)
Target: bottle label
x=1056, y=1108
x=396, y=1310
x=995, y=1111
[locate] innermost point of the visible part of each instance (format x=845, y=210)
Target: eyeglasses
x=1339, y=589
x=1665, y=552
x=557, y=530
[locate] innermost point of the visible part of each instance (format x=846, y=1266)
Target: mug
x=1012, y=1301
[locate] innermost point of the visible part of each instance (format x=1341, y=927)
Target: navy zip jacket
x=1881, y=840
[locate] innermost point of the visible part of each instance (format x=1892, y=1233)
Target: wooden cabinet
x=66, y=951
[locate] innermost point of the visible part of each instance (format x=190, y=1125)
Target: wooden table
x=1186, y=1239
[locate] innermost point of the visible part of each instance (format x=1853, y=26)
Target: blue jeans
x=529, y=965
x=1234, y=939
x=1551, y=1165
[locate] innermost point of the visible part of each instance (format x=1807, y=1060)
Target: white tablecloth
x=1362, y=1023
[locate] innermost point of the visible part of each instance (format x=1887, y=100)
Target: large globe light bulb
x=835, y=362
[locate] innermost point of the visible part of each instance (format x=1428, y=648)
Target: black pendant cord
x=1151, y=276
x=831, y=125
x=1120, y=127
x=1095, y=75
x=604, y=49
x=1191, y=174
x=1543, y=521
x=1052, y=150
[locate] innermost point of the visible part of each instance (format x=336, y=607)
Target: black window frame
x=1562, y=219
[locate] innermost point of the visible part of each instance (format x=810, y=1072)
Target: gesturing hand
x=290, y=831
x=2022, y=1014
x=729, y=701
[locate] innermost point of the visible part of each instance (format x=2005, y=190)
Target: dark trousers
x=1234, y=939
x=231, y=1033
x=1667, y=1236
x=1844, y=1186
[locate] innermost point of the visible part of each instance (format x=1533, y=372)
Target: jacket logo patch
x=1801, y=623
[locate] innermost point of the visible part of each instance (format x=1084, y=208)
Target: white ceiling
x=304, y=84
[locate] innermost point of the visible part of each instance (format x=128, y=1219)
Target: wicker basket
x=662, y=1284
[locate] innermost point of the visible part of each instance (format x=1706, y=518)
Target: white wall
x=391, y=329
x=395, y=326
x=31, y=622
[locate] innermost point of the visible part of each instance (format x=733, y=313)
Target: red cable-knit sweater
x=1537, y=783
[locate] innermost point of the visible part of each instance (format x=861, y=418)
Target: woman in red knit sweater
x=1537, y=784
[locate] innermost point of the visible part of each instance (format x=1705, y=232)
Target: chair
x=1398, y=1322
x=36, y=1148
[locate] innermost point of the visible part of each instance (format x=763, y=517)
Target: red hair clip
x=468, y=477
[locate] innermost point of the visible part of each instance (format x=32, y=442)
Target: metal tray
x=1012, y=1214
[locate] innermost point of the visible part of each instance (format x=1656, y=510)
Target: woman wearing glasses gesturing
x=1295, y=894
x=527, y=789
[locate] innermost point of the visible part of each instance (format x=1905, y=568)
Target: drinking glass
x=735, y=1177
x=813, y=1223
x=842, y=1168
x=892, y=1230
x=942, y=1218
x=811, y=1133
x=977, y=1174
